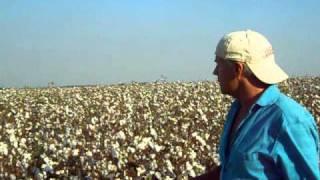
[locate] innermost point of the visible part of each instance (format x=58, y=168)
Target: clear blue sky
x=101, y=42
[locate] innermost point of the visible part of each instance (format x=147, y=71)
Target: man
x=267, y=135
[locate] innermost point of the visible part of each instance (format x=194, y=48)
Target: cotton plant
x=156, y=130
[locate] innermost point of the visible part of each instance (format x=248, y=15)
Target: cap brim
x=268, y=71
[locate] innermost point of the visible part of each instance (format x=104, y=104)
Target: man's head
x=246, y=54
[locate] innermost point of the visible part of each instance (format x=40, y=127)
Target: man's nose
x=215, y=71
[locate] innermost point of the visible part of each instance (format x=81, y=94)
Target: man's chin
x=223, y=91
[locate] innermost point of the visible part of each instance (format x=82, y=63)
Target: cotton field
x=154, y=130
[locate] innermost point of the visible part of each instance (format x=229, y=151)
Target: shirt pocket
x=252, y=161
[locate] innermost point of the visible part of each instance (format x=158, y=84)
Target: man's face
x=226, y=76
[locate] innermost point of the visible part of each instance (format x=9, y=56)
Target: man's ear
x=239, y=69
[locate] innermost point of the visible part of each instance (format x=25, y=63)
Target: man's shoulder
x=291, y=109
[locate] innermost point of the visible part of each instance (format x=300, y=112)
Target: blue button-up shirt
x=278, y=139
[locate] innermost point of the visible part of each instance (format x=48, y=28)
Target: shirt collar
x=269, y=96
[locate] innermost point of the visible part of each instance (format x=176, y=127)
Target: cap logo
x=268, y=52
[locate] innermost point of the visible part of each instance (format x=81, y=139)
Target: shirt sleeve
x=296, y=149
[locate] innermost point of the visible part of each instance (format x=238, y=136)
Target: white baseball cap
x=256, y=51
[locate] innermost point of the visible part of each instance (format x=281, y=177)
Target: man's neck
x=248, y=95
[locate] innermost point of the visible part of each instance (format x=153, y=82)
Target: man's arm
x=214, y=174
x=297, y=149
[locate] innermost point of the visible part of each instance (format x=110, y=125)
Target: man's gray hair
x=247, y=70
